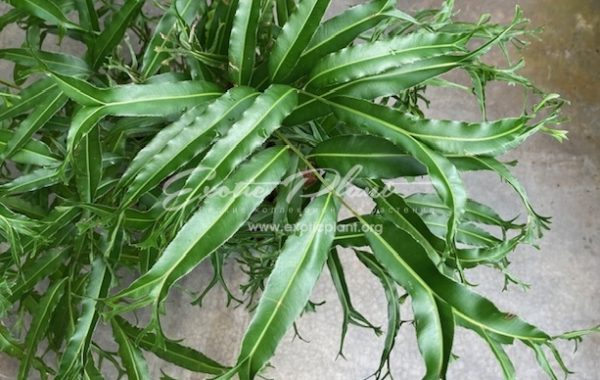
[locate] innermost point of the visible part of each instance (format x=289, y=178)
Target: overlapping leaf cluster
x=118, y=161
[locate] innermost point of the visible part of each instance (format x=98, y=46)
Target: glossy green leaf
x=381, y=121
x=257, y=123
x=131, y=356
x=47, y=10
x=39, y=325
x=30, y=97
x=63, y=64
x=375, y=58
x=294, y=37
x=297, y=269
x=33, y=152
x=113, y=33
x=34, y=122
x=171, y=351
x=341, y=30
x=88, y=165
x=191, y=140
x=366, y=156
x=242, y=44
x=34, y=180
x=210, y=227
x=433, y=317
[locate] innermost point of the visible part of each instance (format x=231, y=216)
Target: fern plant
x=232, y=130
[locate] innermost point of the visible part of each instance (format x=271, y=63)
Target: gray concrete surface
x=562, y=180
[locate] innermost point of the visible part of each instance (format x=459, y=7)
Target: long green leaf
x=341, y=30
x=405, y=259
x=374, y=58
x=294, y=37
x=366, y=156
x=191, y=140
x=381, y=120
x=130, y=100
x=210, y=227
x=47, y=10
x=257, y=123
x=171, y=351
x=29, y=98
x=393, y=310
x=40, y=324
x=60, y=63
x=113, y=33
x=88, y=165
x=34, y=122
x=132, y=358
x=33, y=152
x=37, y=179
x=242, y=44
x=433, y=318
x=290, y=284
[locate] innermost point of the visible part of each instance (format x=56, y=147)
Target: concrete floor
x=562, y=180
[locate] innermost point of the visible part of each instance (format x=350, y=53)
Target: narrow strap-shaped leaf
x=257, y=123
x=283, y=9
x=131, y=357
x=88, y=17
x=218, y=35
x=341, y=30
x=33, y=271
x=34, y=122
x=113, y=33
x=33, y=152
x=159, y=142
x=171, y=351
x=47, y=10
x=433, y=318
x=366, y=157
x=368, y=59
x=39, y=324
x=191, y=140
x=131, y=100
x=386, y=84
x=28, y=98
x=37, y=179
x=76, y=353
x=242, y=44
x=139, y=99
x=210, y=227
x=468, y=139
x=400, y=253
x=381, y=120
x=88, y=165
x=395, y=209
x=294, y=37
x=71, y=361
x=60, y=63
x=290, y=284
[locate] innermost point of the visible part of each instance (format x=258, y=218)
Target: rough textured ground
x=563, y=181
